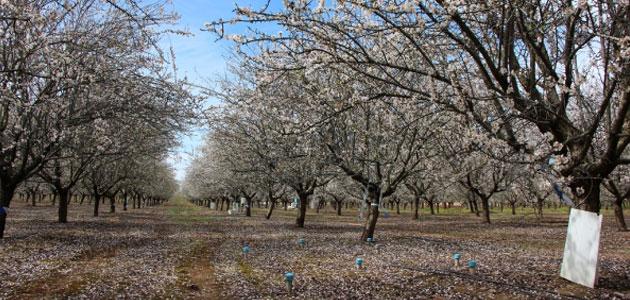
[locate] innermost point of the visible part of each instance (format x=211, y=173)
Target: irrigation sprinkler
x=457, y=256
x=288, y=277
x=471, y=266
x=359, y=262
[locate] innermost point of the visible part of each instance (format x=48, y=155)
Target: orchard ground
x=181, y=251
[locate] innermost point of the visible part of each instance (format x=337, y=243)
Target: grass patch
x=187, y=213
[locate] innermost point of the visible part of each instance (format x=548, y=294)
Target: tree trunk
x=248, y=207
x=270, y=210
x=398, y=208
x=370, y=223
x=63, y=205
x=431, y=207
x=339, y=206
x=97, y=200
x=590, y=197
x=6, y=194
x=299, y=221
x=476, y=207
x=416, y=204
x=485, y=203
x=621, y=222
x=539, y=203
x=513, y=206
x=112, y=204
x=33, y=199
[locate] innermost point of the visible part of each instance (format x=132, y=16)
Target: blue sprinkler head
x=359, y=261
x=288, y=276
x=369, y=240
x=245, y=249
x=457, y=256
x=472, y=264
x=302, y=241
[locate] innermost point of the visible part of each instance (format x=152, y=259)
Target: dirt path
x=196, y=271
x=159, y=252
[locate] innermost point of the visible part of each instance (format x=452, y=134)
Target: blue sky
x=201, y=57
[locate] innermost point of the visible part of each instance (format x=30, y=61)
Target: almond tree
x=379, y=141
x=550, y=71
x=335, y=190
x=535, y=185
x=370, y=133
x=263, y=146
x=67, y=65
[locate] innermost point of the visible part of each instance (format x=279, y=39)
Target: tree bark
x=621, y=222
x=540, y=203
x=6, y=194
x=97, y=200
x=112, y=204
x=248, y=207
x=591, y=185
x=476, y=207
x=62, y=213
x=416, y=200
x=270, y=210
x=299, y=221
x=339, y=206
x=485, y=203
x=370, y=223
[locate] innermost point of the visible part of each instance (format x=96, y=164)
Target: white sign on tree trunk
x=581, y=248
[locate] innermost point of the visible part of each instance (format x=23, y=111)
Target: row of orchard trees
x=138, y=181
x=85, y=95
x=435, y=96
